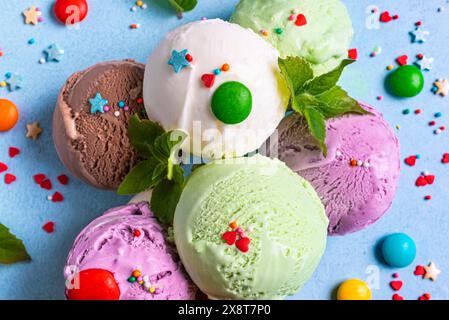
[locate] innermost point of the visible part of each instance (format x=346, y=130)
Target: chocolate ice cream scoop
x=91, y=118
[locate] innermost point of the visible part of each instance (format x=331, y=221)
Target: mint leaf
x=326, y=81
x=183, y=5
x=336, y=102
x=317, y=126
x=296, y=71
x=12, y=250
x=142, y=134
x=167, y=145
x=165, y=198
x=139, y=179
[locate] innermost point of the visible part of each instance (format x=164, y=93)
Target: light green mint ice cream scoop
x=324, y=40
x=276, y=209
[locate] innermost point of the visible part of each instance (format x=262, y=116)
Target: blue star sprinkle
x=97, y=104
x=54, y=53
x=178, y=60
x=14, y=81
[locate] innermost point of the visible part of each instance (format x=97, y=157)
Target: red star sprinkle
x=385, y=17
x=49, y=227
x=63, y=179
x=402, y=60
x=3, y=167
x=137, y=233
x=46, y=184
x=13, y=151
x=301, y=20
x=419, y=271
x=38, y=178
x=352, y=54
x=410, y=161
x=445, y=159
x=57, y=197
x=10, y=178
x=396, y=285
x=397, y=297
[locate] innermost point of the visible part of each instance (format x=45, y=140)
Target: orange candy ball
x=9, y=115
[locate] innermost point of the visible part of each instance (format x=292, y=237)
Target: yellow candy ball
x=354, y=289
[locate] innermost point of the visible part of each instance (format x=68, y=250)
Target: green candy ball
x=232, y=102
x=406, y=81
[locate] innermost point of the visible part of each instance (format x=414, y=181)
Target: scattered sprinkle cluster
x=144, y=281
x=236, y=235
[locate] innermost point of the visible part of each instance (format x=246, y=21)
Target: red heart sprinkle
x=63, y=179
x=230, y=237
x=301, y=20
x=385, y=17
x=419, y=271
x=396, y=285
x=46, y=184
x=445, y=159
x=10, y=178
x=49, y=227
x=402, y=60
x=352, y=54
x=243, y=244
x=38, y=178
x=13, y=151
x=425, y=296
x=3, y=167
x=208, y=80
x=411, y=161
x=430, y=179
x=421, y=182
x=57, y=197
x=397, y=297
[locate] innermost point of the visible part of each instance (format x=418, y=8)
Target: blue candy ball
x=398, y=250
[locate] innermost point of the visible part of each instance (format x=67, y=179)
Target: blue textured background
x=105, y=35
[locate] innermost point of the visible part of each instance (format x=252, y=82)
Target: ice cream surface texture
x=93, y=142
x=111, y=243
x=357, y=180
x=278, y=230
x=318, y=30
x=218, y=82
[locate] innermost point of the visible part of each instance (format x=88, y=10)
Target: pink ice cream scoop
x=357, y=180
x=130, y=244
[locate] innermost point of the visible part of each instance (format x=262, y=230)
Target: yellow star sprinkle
x=442, y=86
x=33, y=130
x=32, y=15
x=432, y=271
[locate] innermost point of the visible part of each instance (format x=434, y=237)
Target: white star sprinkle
x=419, y=35
x=425, y=63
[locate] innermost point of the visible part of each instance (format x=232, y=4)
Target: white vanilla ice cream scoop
x=218, y=82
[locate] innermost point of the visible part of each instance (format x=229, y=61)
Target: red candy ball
x=94, y=284
x=71, y=12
